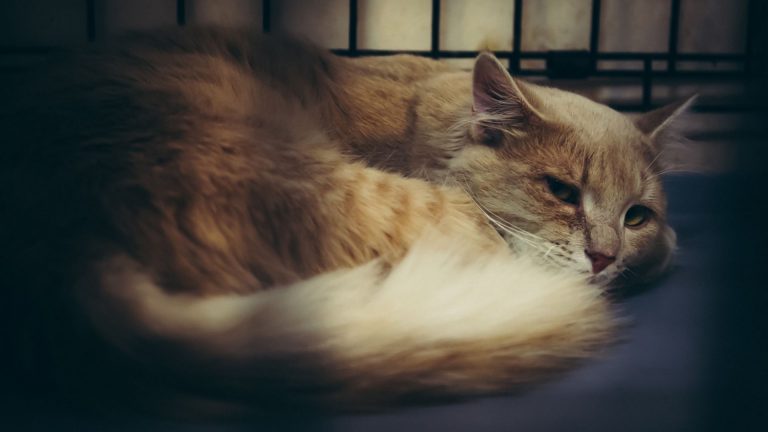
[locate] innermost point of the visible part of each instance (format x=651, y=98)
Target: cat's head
x=561, y=176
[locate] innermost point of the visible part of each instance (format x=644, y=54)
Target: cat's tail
x=443, y=322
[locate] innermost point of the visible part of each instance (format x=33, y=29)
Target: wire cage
x=563, y=64
x=558, y=64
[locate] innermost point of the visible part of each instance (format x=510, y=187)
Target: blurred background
x=696, y=354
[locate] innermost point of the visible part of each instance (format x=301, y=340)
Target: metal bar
x=594, y=30
x=647, y=83
x=734, y=74
x=695, y=57
x=352, y=27
x=181, y=12
x=718, y=108
x=537, y=55
x=435, y=37
x=266, y=16
x=517, y=32
x=688, y=74
x=703, y=57
x=674, y=27
x=90, y=18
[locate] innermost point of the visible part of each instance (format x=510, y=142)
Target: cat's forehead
x=594, y=124
x=591, y=127
x=599, y=147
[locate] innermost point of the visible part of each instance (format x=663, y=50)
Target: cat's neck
x=383, y=106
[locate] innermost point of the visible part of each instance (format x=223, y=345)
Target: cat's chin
x=658, y=264
x=605, y=279
x=639, y=279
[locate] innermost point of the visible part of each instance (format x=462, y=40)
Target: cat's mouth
x=602, y=278
x=560, y=260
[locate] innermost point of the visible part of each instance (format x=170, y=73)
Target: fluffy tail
x=440, y=323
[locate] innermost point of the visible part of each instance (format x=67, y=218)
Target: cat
x=239, y=213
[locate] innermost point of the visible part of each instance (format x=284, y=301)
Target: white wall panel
x=394, y=24
x=556, y=24
x=473, y=24
x=325, y=22
x=714, y=26
x=635, y=26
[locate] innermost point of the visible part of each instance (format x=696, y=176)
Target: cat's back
x=153, y=119
x=165, y=92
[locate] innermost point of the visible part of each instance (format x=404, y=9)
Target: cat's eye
x=491, y=137
x=637, y=216
x=562, y=191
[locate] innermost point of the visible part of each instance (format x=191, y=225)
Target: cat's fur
x=247, y=213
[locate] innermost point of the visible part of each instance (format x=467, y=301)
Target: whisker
x=537, y=243
x=512, y=226
x=503, y=223
x=661, y=173
x=628, y=273
x=542, y=246
x=501, y=220
x=655, y=159
x=511, y=231
x=508, y=229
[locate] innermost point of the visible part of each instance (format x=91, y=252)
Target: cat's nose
x=599, y=261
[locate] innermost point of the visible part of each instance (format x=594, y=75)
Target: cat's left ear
x=665, y=123
x=500, y=104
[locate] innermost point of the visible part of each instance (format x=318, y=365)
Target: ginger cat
x=239, y=213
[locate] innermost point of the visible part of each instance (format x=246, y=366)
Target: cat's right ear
x=666, y=127
x=499, y=103
x=665, y=121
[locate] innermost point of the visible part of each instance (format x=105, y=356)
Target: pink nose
x=599, y=261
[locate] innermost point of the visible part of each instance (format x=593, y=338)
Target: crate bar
x=266, y=16
x=636, y=56
x=594, y=30
x=435, y=37
x=716, y=108
x=539, y=55
x=352, y=28
x=701, y=57
x=690, y=74
x=90, y=19
x=674, y=27
x=517, y=36
x=647, y=83
x=181, y=12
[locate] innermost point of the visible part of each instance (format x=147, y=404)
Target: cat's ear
x=499, y=103
x=666, y=127
x=666, y=122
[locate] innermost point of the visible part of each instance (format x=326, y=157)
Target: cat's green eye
x=562, y=191
x=637, y=216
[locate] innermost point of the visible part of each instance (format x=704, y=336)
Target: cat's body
x=238, y=210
